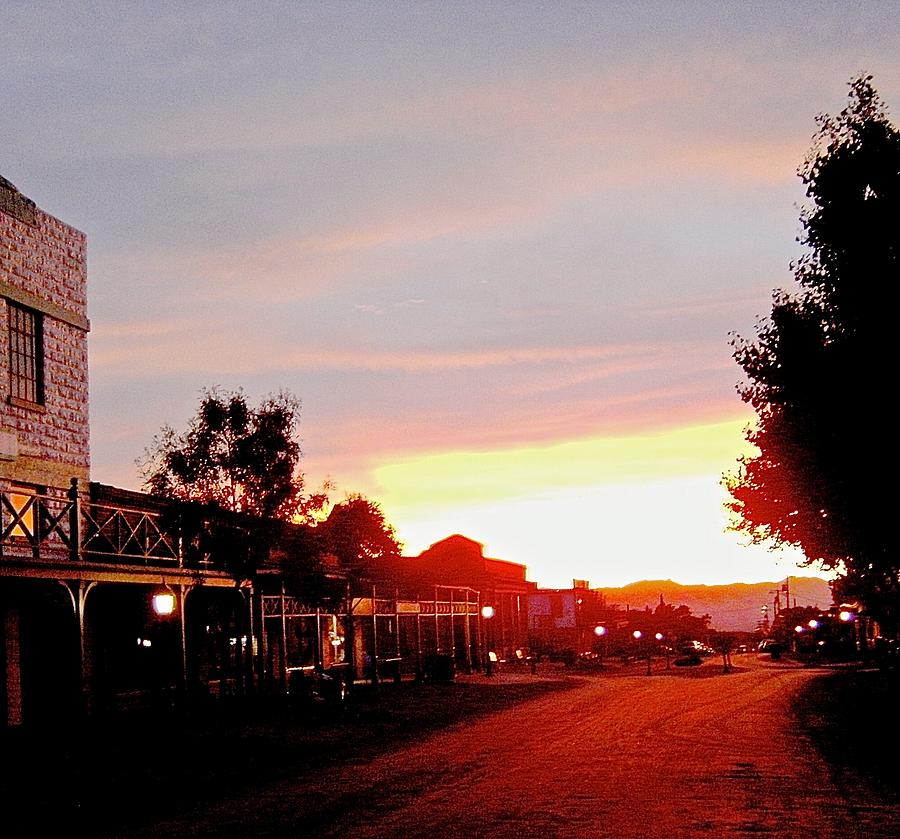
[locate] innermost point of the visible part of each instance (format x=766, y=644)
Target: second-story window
x=26, y=351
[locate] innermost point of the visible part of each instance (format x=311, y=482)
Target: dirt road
x=668, y=756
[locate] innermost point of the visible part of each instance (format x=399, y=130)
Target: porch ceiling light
x=163, y=603
x=487, y=612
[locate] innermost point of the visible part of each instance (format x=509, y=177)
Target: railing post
x=74, y=521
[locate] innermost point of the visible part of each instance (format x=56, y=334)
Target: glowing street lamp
x=163, y=603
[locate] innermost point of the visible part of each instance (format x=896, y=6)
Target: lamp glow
x=164, y=603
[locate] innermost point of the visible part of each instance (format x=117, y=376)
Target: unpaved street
x=666, y=755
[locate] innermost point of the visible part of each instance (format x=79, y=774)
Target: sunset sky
x=495, y=248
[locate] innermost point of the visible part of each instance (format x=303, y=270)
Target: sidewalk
x=507, y=673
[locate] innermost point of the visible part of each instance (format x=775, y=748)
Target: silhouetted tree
x=357, y=533
x=241, y=459
x=724, y=644
x=815, y=373
x=678, y=623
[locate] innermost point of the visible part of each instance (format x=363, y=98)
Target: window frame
x=25, y=331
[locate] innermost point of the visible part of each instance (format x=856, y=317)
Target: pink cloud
x=215, y=349
x=366, y=443
x=709, y=302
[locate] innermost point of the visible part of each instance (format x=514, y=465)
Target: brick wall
x=43, y=269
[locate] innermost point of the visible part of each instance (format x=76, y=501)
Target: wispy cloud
x=701, y=305
x=144, y=329
x=375, y=309
x=214, y=351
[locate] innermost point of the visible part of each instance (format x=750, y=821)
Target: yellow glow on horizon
x=609, y=510
x=463, y=477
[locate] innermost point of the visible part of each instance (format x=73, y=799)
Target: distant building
x=561, y=622
x=458, y=564
x=502, y=585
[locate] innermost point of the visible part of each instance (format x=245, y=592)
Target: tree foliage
x=679, y=622
x=815, y=373
x=239, y=458
x=357, y=533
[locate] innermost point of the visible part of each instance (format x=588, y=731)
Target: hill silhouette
x=732, y=607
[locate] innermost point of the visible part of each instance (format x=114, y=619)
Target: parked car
x=771, y=646
x=697, y=648
x=887, y=653
x=688, y=659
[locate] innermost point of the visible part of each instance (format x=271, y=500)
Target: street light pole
x=660, y=637
x=487, y=612
x=600, y=632
x=638, y=635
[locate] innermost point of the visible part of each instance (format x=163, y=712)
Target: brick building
x=44, y=437
x=80, y=563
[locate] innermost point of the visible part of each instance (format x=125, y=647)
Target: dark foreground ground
x=853, y=719
x=140, y=769
x=141, y=772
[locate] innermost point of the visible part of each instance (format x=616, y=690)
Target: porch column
x=182, y=626
x=78, y=591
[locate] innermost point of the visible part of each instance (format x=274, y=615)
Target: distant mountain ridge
x=735, y=606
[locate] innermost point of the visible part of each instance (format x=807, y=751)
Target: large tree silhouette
x=817, y=372
x=242, y=459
